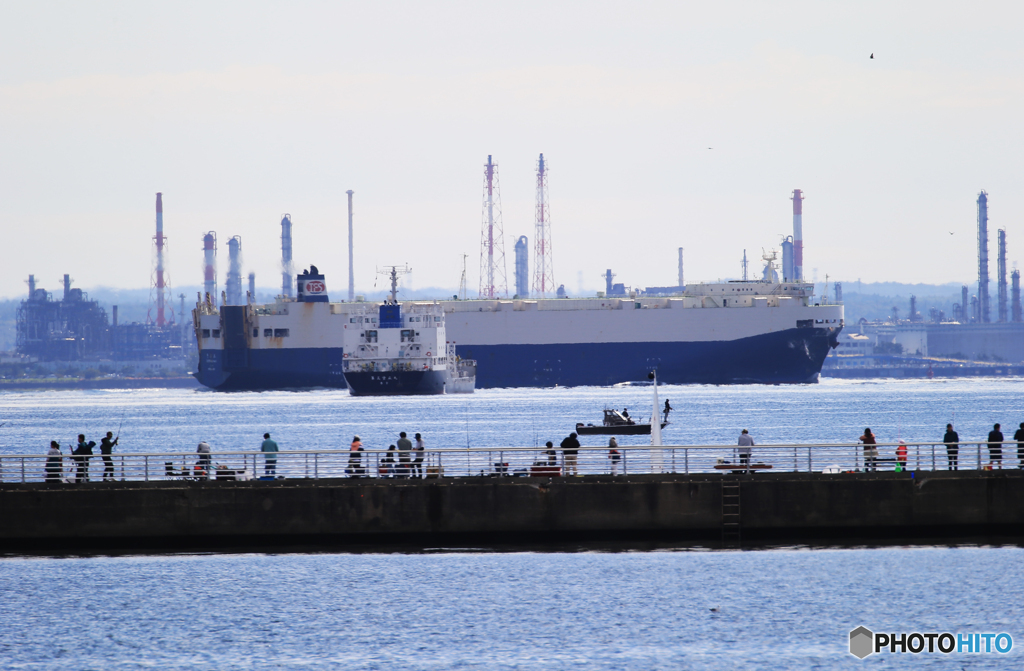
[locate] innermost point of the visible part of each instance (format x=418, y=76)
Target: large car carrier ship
x=725, y=333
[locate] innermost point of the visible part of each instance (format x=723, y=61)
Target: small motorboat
x=616, y=423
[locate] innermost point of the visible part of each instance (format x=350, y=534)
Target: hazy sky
x=241, y=111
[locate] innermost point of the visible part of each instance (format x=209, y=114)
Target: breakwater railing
x=510, y=462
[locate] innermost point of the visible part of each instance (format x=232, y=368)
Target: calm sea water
x=832, y=411
x=465, y=608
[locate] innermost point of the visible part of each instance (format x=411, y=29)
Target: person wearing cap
x=269, y=449
x=203, y=463
x=745, y=442
x=355, y=458
x=570, y=448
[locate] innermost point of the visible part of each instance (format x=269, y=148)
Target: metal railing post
x=810, y=467
x=686, y=459
x=145, y=461
x=933, y=456
x=23, y=469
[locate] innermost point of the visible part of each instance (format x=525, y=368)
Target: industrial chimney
x=1001, y=275
x=983, y=297
x=252, y=286
x=964, y=305
x=680, y=270
x=210, y=266
x=234, y=281
x=522, y=267
x=351, y=268
x=1015, y=295
x=286, y=256
x=798, y=236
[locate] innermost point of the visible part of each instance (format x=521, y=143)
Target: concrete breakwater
x=333, y=513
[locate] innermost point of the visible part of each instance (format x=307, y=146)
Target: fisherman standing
x=203, y=463
x=995, y=447
x=54, y=462
x=404, y=455
x=269, y=449
x=614, y=455
x=417, y=463
x=745, y=442
x=952, y=441
x=570, y=448
x=668, y=409
x=82, y=454
x=106, y=449
x=1019, y=437
x=355, y=458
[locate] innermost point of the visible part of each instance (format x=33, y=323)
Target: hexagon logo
x=862, y=642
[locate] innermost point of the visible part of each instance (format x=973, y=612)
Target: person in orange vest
x=901, y=455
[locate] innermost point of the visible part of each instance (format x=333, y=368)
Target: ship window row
x=207, y=333
x=360, y=320
x=271, y=333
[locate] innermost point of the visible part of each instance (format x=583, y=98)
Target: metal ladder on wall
x=730, y=512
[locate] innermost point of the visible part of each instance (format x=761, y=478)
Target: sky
x=664, y=125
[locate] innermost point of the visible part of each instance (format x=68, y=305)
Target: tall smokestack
x=160, y=315
x=798, y=236
x=1001, y=275
x=234, y=281
x=31, y=286
x=680, y=278
x=67, y=287
x=351, y=268
x=1015, y=295
x=286, y=256
x=210, y=266
x=983, y=311
x=522, y=267
x=965, y=306
x=252, y=285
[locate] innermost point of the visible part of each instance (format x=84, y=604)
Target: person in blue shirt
x=269, y=449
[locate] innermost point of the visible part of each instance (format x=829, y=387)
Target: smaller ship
x=461, y=373
x=617, y=423
x=392, y=349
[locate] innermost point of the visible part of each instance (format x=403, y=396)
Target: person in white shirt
x=745, y=443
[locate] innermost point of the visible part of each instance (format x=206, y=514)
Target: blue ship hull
x=786, y=357
x=393, y=383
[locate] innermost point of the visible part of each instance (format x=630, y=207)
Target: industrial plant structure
x=75, y=328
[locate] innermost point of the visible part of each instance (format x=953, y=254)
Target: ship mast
x=394, y=272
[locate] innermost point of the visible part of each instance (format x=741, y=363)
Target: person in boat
x=625, y=415
x=614, y=455
x=355, y=458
